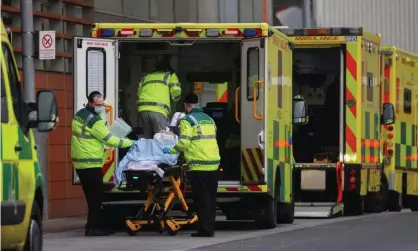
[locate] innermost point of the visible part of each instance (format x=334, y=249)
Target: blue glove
x=166, y=150
x=134, y=142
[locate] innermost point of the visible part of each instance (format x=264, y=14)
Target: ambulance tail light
x=193, y=32
x=106, y=33
x=145, y=33
x=352, y=179
x=390, y=135
x=318, y=32
x=126, y=32
x=390, y=152
x=390, y=128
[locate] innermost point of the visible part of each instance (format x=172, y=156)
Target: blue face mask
x=99, y=110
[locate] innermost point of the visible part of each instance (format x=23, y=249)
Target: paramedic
x=89, y=135
x=198, y=142
x=154, y=92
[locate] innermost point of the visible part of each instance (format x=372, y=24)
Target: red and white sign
x=46, y=45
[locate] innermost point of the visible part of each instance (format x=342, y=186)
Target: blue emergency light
x=107, y=32
x=250, y=32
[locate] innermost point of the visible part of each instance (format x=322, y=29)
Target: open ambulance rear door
x=95, y=69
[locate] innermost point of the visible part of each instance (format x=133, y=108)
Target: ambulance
x=399, y=86
x=242, y=73
x=339, y=168
x=22, y=183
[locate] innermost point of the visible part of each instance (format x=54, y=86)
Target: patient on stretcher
x=147, y=154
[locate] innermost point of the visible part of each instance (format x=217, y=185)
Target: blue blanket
x=144, y=149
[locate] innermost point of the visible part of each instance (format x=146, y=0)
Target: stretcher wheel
x=171, y=232
x=132, y=233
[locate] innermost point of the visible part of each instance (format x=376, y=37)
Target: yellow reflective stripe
x=199, y=130
x=87, y=160
x=154, y=104
x=107, y=137
x=185, y=137
x=174, y=85
x=83, y=128
x=203, y=137
x=204, y=162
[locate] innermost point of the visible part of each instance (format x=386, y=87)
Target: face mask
x=99, y=110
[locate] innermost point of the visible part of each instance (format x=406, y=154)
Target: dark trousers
x=92, y=182
x=204, y=192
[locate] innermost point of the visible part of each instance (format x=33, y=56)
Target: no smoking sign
x=46, y=49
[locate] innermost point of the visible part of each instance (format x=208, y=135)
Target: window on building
x=96, y=71
x=407, y=101
x=253, y=72
x=369, y=88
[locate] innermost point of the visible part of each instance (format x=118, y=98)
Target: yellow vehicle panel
x=20, y=174
x=400, y=140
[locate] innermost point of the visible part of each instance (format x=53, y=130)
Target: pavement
x=385, y=231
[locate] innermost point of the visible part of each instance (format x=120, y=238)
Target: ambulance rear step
x=318, y=209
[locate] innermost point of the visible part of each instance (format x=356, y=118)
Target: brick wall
x=65, y=199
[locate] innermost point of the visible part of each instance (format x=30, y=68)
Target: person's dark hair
x=191, y=98
x=163, y=64
x=93, y=95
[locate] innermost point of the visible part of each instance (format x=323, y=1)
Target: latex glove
x=166, y=150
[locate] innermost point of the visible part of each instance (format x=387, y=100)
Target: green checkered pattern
x=406, y=148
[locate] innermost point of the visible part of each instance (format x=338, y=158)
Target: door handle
x=18, y=148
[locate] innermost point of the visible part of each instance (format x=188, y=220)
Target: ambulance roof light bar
x=340, y=31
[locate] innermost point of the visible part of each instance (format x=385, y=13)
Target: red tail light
x=390, y=128
x=352, y=172
x=390, y=136
x=390, y=152
x=352, y=187
x=352, y=179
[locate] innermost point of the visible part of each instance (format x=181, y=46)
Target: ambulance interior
x=316, y=77
x=200, y=66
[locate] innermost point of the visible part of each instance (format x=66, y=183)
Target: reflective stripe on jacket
x=198, y=141
x=89, y=135
x=155, y=90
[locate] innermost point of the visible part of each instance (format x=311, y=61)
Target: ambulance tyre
x=413, y=203
x=393, y=204
x=376, y=202
x=34, y=238
x=285, y=213
x=266, y=217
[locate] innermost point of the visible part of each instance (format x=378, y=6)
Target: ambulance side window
x=96, y=71
x=369, y=86
x=4, y=110
x=19, y=105
x=253, y=74
x=407, y=101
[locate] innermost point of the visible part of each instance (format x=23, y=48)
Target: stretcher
x=158, y=205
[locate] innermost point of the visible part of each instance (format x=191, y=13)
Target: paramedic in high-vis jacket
x=154, y=93
x=198, y=142
x=89, y=135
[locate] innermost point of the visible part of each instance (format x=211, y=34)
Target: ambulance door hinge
x=291, y=46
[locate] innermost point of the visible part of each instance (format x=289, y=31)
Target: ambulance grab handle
x=109, y=109
x=237, y=104
x=256, y=116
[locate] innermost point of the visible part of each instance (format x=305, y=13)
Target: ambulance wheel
x=171, y=232
x=413, y=203
x=376, y=202
x=286, y=213
x=266, y=217
x=394, y=202
x=132, y=233
x=34, y=238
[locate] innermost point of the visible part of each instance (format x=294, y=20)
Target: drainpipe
x=307, y=14
x=26, y=12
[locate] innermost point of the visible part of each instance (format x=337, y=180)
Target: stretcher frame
x=157, y=206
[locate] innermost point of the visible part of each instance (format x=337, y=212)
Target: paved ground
x=387, y=231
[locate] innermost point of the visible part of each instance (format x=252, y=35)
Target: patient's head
x=165, y=138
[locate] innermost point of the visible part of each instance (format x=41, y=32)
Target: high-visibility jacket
x=89, y=135
x=154, y=91
x=198, y=141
